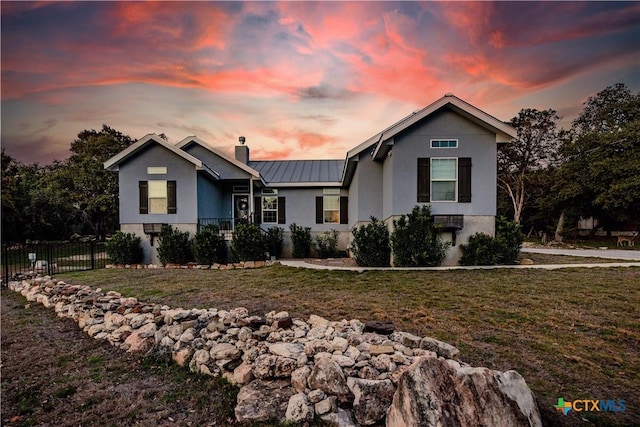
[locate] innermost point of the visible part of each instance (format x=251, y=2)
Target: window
x=157, y=197
x=331, y=207
x=270, y=210
x=444, y=173
x=444, y=180
x=444, y=143
x=157, y=170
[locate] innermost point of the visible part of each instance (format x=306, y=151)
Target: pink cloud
x=304, y=139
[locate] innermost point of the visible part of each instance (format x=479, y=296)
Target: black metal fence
x=51, y=258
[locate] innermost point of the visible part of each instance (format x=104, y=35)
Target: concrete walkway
x=591, y=253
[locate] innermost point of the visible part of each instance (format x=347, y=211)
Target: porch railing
x=225, y=225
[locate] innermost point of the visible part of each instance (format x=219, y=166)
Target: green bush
x=174, y=247
x=249, y=243
x=370, y=244
x=483, y=249
x=275, y=235
x=301, y=239
x=416, y=240
x=510, y=237
x=124, y=248
x=208, y=246
x=327, y=244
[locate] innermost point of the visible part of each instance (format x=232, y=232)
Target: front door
x=240, y=209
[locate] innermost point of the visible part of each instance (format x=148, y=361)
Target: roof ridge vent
x=449, y=94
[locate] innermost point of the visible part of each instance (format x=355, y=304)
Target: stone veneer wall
x=295, y=370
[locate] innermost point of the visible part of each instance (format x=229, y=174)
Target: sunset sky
x=297, y=79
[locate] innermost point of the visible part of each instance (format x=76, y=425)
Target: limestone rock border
x=193, y=266
x=295, y=370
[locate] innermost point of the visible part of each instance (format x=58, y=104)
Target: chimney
x=242, y=151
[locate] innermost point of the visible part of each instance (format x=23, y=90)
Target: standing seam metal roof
x=292, y=171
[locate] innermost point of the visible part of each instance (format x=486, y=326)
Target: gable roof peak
x=194, y=139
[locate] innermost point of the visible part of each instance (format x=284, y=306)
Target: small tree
x=276, y=238
x=370, y=244
x=416, y=240
x=327, y=244
x=301, y=239
x=174, y=246
x=208, y=245
x=533, y=149
x=124, y=248
x=249, y=243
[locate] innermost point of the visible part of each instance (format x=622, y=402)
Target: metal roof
x=299, y=171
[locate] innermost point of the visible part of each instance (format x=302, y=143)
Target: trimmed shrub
x=124, y=248
x=416, y=240
x=174, y=247
x=249, y=243
x=327, y=244
x=483, y=249
x=510, y=237
x=208, y=246
x=301, y=239
x=275, y=235
x=370, y=244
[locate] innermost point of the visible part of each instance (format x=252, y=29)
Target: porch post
x=251, y=204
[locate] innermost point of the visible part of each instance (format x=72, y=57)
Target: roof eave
x=113, y=164
x=254, y=173
x=305, y=184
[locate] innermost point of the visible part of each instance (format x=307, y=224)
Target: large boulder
x=141, y=340
x=263, y=400
x=371, y=400
x=327, y=375
x=438, y=392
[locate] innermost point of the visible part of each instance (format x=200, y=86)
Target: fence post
x=93, y=255
x=5, y=262
x=49, y=257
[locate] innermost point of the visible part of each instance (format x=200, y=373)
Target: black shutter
x=257, y=209
x=344, y=210
x=172, y=200
x=319, y=210
x=464, y=180
x=282, y=219
x=424, y=180
x=143, y=191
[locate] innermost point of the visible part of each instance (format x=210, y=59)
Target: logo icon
x=563, y=406
x=590, y=405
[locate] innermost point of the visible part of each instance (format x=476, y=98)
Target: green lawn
x=572, y=333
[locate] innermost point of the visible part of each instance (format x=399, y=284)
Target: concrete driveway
x=628, y=255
